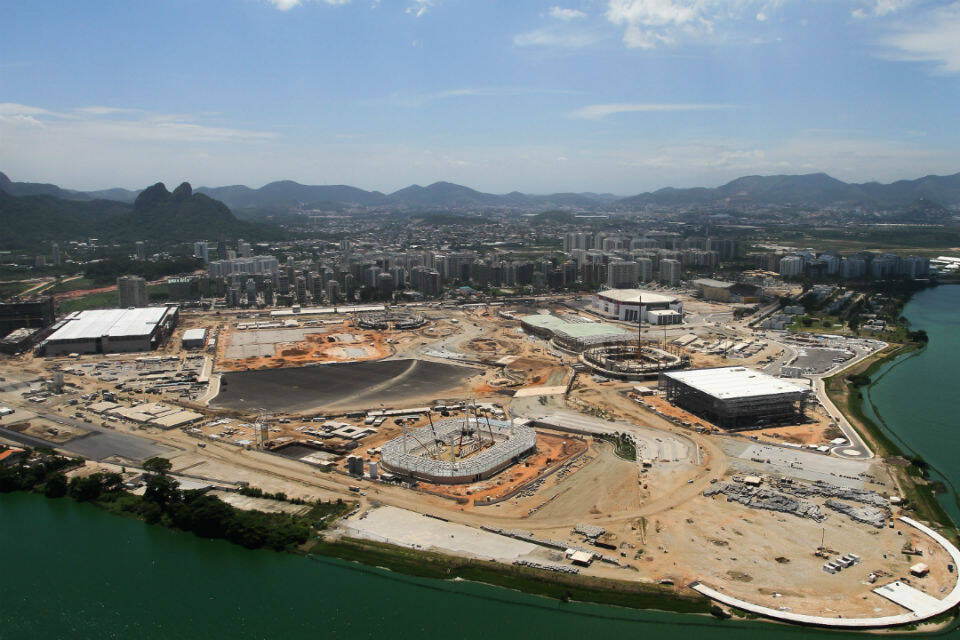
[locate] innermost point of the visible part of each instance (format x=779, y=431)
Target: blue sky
x=601, y=95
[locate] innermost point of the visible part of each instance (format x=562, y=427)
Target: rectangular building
x=132, y=291
x=622, y=274
x=735, y=397
x=194, y=338
x=711, y=289
x=112, y=330
x=29, y=314
x=670, y=272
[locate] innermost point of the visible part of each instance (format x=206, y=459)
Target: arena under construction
x=390, y=319
x=633, y=360
x=573, y=333
x=457, y=450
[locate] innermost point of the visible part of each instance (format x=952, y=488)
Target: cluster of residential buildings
x=863, y=265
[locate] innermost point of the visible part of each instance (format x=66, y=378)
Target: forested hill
x=157, y=215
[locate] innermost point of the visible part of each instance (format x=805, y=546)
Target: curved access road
x=931, y=606
x=857, y=448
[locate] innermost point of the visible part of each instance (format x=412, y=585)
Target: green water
x=918, y=396
x=71, y=570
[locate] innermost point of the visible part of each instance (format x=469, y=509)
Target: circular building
x=632, y=361
x=396, y=320
x=457, y=450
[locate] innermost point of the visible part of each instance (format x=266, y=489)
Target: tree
x=111, y=482
x=151, y=512
x=55, y=486
x=9, y=480
x=85, y=489
x=157, y=465
x=162, y=490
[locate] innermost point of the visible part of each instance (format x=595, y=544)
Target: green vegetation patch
x=623, y=445
x=108, y=299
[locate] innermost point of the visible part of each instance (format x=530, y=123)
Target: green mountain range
x=809, y=190
x=156, y=214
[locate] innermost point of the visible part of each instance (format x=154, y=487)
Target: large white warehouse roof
x=113, y=323
x=728, y=383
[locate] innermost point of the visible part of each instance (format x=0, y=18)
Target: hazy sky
x=599, y=95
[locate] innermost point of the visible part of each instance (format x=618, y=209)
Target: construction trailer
x=736, y=397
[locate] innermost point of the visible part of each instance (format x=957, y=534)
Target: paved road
x=857, y=449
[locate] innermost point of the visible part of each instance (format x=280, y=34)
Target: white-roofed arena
x=458, y=450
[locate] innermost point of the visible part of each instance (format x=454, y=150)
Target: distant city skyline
x=619, y=96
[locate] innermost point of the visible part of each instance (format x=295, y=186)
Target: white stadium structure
x=457, y=450
x=628, y=304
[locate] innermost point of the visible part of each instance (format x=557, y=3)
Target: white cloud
x=286, y=5
x=554, y=37
x=601, y=111
x=933, y=37
x=420, y=7
x=561, y=13
x=879, y=8
x=14, y=109
x=418, y=100
x=104, y=111
x=115, y=123
x=649, y=23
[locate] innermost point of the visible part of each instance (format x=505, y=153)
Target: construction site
x=457, y=450
x=548, y=434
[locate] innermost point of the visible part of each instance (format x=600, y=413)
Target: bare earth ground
x=660, y=523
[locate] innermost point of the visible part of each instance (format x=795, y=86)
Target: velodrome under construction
x=457, y=450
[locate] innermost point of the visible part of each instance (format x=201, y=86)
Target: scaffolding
x=380, y=321
x=437, y=452
x=621, y=361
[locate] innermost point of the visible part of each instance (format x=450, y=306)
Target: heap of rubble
x=827, y=490
x=589, y=530
x=869, y=515
x=759, y=498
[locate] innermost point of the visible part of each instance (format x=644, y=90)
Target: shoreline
x=608, y=592
x=642, y=596
x=426, y=564
x=852, y=398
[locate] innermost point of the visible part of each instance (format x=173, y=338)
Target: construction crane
x=414, y=436
x=436, y=439
x=489, y=428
